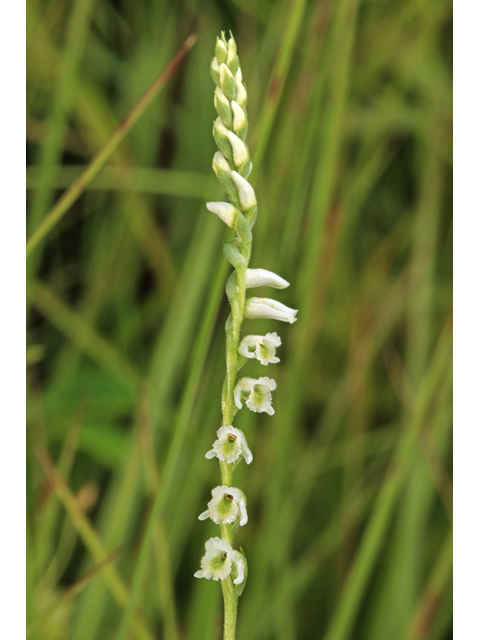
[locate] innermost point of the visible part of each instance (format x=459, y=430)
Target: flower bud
x=224, y=210
x=240, y=92
x=264, y=278
x=220, y=133
x=227, y=82
x=221, y=51
x=267, y=308
x=240, y=151
x=246, y=194
x=224, y=175
x=240, y=124
x=215, y=71
x=222, y=106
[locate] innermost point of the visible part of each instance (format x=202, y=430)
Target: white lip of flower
x=263, y=347
x=230, y=445
x=246, y=194
x=262, y=277
x=225, y=505
x=217, y=561
x=224, y=210
x=268, y=308
x=260, y=396
x=240, y=153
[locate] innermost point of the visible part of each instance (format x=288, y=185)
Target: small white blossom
x=240, y=152
x=264, y=278
x=259, y=394
x=224, y=210
x=268, y=308
x=217, y=561
x=230, y=445
x=225, y=505
x=246, y=194
x=263, y=347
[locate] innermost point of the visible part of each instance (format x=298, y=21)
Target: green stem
x=230, y=609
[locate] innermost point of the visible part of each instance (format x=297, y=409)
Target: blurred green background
x=349, y=492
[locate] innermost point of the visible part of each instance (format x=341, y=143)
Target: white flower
x=225, y=505
x=246, y=194
x=224, y=210
x=230, y=445
x=260, y=396
x=240, y=153
x=264, y=278
x=217, y=561
x=263, y=347
x=268, y=308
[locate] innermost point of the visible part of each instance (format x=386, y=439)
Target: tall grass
x=350, y=513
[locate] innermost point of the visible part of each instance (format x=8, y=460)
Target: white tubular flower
x=224, y=210
x=246, y=194
x=263, y=347
x=240, y=153
x=259, y=394
x=225, y=505
x=230, y=445
x=239, y=562
x=217, y=561
x=267, y=308
x=262, y=277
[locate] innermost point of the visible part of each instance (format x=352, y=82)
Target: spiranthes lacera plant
x=232, y=165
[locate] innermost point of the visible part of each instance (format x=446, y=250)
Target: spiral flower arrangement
x=232, y=166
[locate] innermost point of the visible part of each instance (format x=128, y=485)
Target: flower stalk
x=232, y=166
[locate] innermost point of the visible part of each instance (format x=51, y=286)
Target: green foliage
x=349, y=492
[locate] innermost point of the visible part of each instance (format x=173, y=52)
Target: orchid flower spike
x=219, y=560
x=267, y=308
x=230, y=445
x=225, y=506
x=259, y=394
x=263, y=347
x=264, y=278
